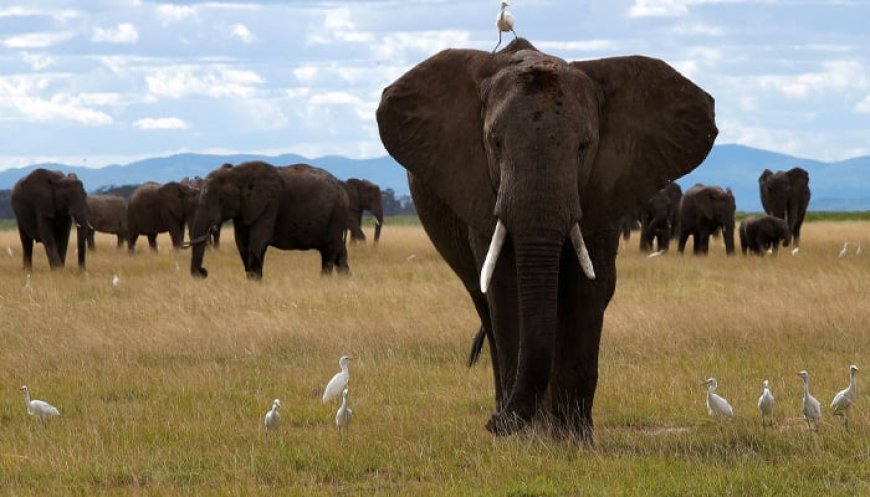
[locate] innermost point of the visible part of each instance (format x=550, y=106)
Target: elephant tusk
x=582, y=253
x=492, y=255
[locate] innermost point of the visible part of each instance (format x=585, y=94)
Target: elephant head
x=540, y=155
x=786, y=195
x=364, y=195
x=249, y=193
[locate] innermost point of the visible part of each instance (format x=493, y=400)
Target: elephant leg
x=326, y=262
x=216, y=238
x=341, y=260
x=92, y=246
x=46, y=235
x=581, y=315
x=120, y=243
x=131, y=242
x=61, y=236
x=242, y=236
x=152, y=242
x=176, y=234
x=258, y=240
x=681, y=244
x=26, y=250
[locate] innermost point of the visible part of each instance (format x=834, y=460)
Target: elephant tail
x=476, y=347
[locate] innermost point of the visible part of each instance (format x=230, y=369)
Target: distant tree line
x=393, y=205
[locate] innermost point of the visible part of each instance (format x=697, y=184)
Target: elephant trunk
x=378, y=212
x=81, y=240
x=728, y=234
x=202, y=225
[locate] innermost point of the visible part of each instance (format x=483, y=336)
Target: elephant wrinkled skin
x=786, y=195
x=156, y=208
x=547, y=155
x=45, y=204
x=704, y=210
x=107, y=214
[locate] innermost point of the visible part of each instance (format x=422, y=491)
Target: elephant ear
x=171, y=198
x=260, y=193
x=654, y=127
x=430, y=121
x=799, y=178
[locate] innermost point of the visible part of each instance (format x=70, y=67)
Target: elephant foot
x=200, y=272
x=507, y=422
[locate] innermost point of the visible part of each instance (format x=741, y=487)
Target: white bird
x=273, y=419
x=717, y=406
x=28, y=286
x=9, y=251
x=504, y=22
x=177, y=267
x=411, y=258
x=811, y=410
x=795, y=250
x=846, y=397
x=656, y=254
x=39, y=408
x=344, y=415
x=116, y=281
x=845, y=250
x=858, y=249
x=766, y=403
x=339, y=381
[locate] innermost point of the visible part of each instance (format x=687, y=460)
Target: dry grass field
x=162, y=384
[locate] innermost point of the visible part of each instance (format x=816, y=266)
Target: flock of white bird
x=811, y=409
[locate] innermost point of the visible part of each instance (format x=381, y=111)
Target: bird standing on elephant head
x=527, y=161
x=45, y=204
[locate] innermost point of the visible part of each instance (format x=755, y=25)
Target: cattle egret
x=795, y=250
x=845, y=398
x=344, y=415
x=504, y=22
x=273, y=419
x=28, y=286
x=116, y=281
x=411, y=258
x=717, y=406
x=656, y=254
x=9, y=251
x=338, y=382
x=177, y=267
x=858, y=249
x=845, y=250
x=41, y=409
x=765, y=404
x=812, y=410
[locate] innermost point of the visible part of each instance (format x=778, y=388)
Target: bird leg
x=499, y=42
x=515, y=33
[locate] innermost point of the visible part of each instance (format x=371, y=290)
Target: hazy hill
x=835, y=186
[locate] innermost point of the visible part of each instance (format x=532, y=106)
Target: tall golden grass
x=162, y=384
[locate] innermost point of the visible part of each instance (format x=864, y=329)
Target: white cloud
x=38, y=62
x=656, y=8
x=176, y=82
x=337, y=27
x=395, y=47
x=698, y=29
x=160, y=123
x=242, y=32
x=170, y=14
x=37, y=40
x=577, y=46
x=863, y=107
x=58, y=15
x=834, y=75
x=122, y=33
x=21, y=94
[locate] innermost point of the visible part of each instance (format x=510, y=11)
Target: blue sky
x=94, y=82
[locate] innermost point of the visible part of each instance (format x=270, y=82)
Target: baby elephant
x=759, y=234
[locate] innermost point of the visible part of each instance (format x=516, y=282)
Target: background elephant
x=659, y=218
x=45, y=204
x=107, y=214
x=703, y=211
x=758, y=234
x=197, y=182
x=363, y=195
x=520, y=165
x=297, y=207
x=786, y=195
x=629, y=222
x=156, y=208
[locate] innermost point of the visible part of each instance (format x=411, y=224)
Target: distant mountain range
x=836, y=186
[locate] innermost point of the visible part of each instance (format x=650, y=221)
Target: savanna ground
x=162, y=385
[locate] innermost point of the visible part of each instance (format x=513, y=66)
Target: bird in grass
x=766, y=403
x=177, y=267
x=339, y=381
x=811, y=409
x=656, y=254
x=273, y=419
x=858, y=249
x=9, y=251
x=116, y=281
x=717, y=406
x=504, y=22
x=795, y=250
x=845, y=250
x=28, y=285
x=845, y=398
x=344, y=415
x=39, y=408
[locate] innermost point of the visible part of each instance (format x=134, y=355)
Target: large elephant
x=156, y=208
x=758, y=234
x=297, y=207
x=197, y=182
x=363, y=195
x=520, y=165
x=107, y=214
x=659, y=218
x=703, y=211
x=45, y=204
x=786, y=195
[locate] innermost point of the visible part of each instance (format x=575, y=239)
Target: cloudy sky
x=94, y=82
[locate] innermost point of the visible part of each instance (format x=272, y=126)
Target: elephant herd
x=297, y=207
x=704, y=211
